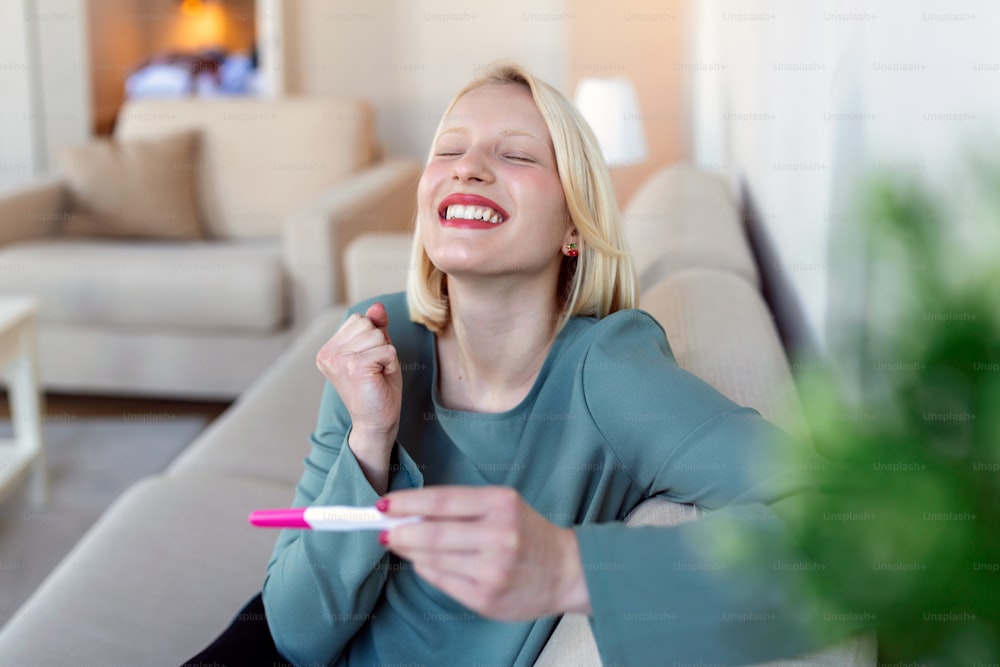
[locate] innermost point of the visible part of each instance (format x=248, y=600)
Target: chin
x=457, y=254
x=461, y=269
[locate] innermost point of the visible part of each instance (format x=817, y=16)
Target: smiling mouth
x=468, y=210
x=481, y=213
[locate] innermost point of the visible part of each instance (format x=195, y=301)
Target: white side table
x=19, y=367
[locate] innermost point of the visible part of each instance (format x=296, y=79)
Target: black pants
x=245, y=643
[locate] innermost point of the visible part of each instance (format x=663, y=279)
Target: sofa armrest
x=32, y=210
x=382, y=198
x=572, y=643
x=377, y=264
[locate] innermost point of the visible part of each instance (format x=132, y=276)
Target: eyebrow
x=507, y=132
x=519, y=133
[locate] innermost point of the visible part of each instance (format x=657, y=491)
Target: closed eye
x=520, y=158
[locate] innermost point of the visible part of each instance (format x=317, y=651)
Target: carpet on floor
x=91, y=461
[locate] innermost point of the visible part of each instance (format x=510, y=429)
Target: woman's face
x=490, y=201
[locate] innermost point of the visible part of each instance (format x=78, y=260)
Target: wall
x=797, y=101
x=271, y=48
x=45, y=94
x=17, y=145
x=643, y=41
x=112, y=59
x=410, y=58
x=63, y=65
x=62, y=49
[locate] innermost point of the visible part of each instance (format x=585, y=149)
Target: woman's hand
x=490, y=550
x=361, y=363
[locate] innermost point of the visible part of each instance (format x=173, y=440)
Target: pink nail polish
x=383, y=538
x=382, y=505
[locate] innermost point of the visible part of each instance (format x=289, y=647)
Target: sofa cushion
x=259, y=160
x=720, y=329
x=685, y=217
x=165, y=285
x=137, y=188
x=160, y=574
x=193, y=364
x=265, y=434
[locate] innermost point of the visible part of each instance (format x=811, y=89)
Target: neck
x=495, y=343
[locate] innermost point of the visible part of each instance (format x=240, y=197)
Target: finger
x=379, y=360
x=459, y=565
x=363, y=341
x=334, y=352
x=378, y=315
x=352, y=326
x=454, y=502
x=440, y=536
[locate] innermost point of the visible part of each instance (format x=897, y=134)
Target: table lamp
x=612, y=110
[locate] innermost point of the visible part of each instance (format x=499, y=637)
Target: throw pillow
x=136, y=188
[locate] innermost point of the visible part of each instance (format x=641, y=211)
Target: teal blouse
x=610, y=421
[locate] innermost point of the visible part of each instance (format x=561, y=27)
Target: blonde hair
x=602, y=279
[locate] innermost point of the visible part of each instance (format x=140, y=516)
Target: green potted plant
x=906, y=523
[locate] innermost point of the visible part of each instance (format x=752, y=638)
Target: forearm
x=729, y=588
x=373, y=454
x=317, y=600
x=321, y=586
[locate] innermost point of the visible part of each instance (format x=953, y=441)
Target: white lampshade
x=611, y=108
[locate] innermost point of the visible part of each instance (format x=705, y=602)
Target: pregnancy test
x=329, y=517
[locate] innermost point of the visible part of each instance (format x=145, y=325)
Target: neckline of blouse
x=567, y=331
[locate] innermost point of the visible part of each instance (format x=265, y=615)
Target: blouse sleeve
x=728, y=588
x=321, y=587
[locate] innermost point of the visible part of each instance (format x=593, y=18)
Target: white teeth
x=482, y=213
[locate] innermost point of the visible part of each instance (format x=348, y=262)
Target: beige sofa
x=164, y=569
x=279, y=188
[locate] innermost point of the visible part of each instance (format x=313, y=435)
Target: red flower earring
x=571, y=250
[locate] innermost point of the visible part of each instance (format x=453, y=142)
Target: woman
x=514, y=399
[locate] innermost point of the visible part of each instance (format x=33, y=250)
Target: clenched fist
x=361, y=363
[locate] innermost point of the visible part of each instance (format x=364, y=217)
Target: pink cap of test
x=283, y=518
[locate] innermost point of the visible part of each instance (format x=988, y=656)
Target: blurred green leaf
x=908, y=518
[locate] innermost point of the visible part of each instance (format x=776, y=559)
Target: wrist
x=574, y=598
x=372, y=442
x=373, y=453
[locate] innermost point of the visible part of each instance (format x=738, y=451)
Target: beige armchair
x=277, y=189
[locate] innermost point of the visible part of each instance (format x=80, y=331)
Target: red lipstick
x=464, y=199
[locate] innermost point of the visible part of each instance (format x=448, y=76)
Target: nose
x=473, y=165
